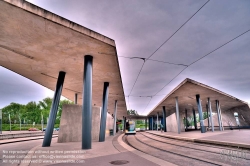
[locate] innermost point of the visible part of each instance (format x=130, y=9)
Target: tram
x=130, y=128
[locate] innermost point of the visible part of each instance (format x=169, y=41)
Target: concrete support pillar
x=124, y=124
x=177, y=115
x=149, y=123
x=146, y=124
x=87, y=103
x=115, y=111
x=186, y=121
x=211, y=114
x=157, y=120
x=53, y=110
x=208, y=124
x=195, y=122
x=164, y=119
x=152, y=123
x=222, y=126
x=218, y=114
x=104, y=112
x=75, y=98
x=203, y=129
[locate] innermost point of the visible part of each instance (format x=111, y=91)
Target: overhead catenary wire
x=201, y=59
x=136, y=78
x=163, y=44
x=178, y=29
x=154, y=60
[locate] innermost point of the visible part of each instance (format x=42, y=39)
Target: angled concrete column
x=164, y=119
x=146, y=124
x=177, y=115
x=195, y=122
x=211, y=114
x=149, y=123
x=203, y=129
x=218, y=114
x=53, y=110
x=152, y=123
x=104, y=112
x=157, y=120
x=208, y=124
x=124, y=124
x=115, y=111
x=75, y=98
x=87, y=103
x=186, y=121
x=222, y=126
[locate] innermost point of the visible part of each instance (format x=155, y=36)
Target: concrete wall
x=109, y=124
x=172, y=123
x=71, y=123
x=228, y=116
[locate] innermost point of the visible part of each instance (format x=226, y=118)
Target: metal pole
x=87, y=103
x=218, y=114
x=20, y=122
x=164, y=119
x=1, y=126
x=203, y=130
x=104, y=112
x=53, y=110
x=10, y=122
x=42, y=122
x=75, y=98
x=114, y=128
x=211, y=114
x=195, y=122
x=177, y=115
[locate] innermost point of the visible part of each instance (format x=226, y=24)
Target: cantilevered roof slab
x=186, y=93
x=37, y=44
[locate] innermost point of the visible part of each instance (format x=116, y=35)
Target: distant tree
x=45, y=106
x=205, y=115
x=33, y=112
x=132, y=112
x=15, y=110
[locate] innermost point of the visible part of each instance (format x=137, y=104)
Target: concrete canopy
x=37, y=44
x=186, y=93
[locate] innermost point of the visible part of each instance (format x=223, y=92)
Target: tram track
x=201, y=143
x=195, y=146
x=178, y=153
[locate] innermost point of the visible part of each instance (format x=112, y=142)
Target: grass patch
x=16, y=127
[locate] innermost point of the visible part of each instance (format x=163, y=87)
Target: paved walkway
x=237, y=138
x=101, y=154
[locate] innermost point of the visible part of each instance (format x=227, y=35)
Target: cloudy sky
x=139, y=28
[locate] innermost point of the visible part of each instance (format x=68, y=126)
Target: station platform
x=232, y=138
x=114, y=151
